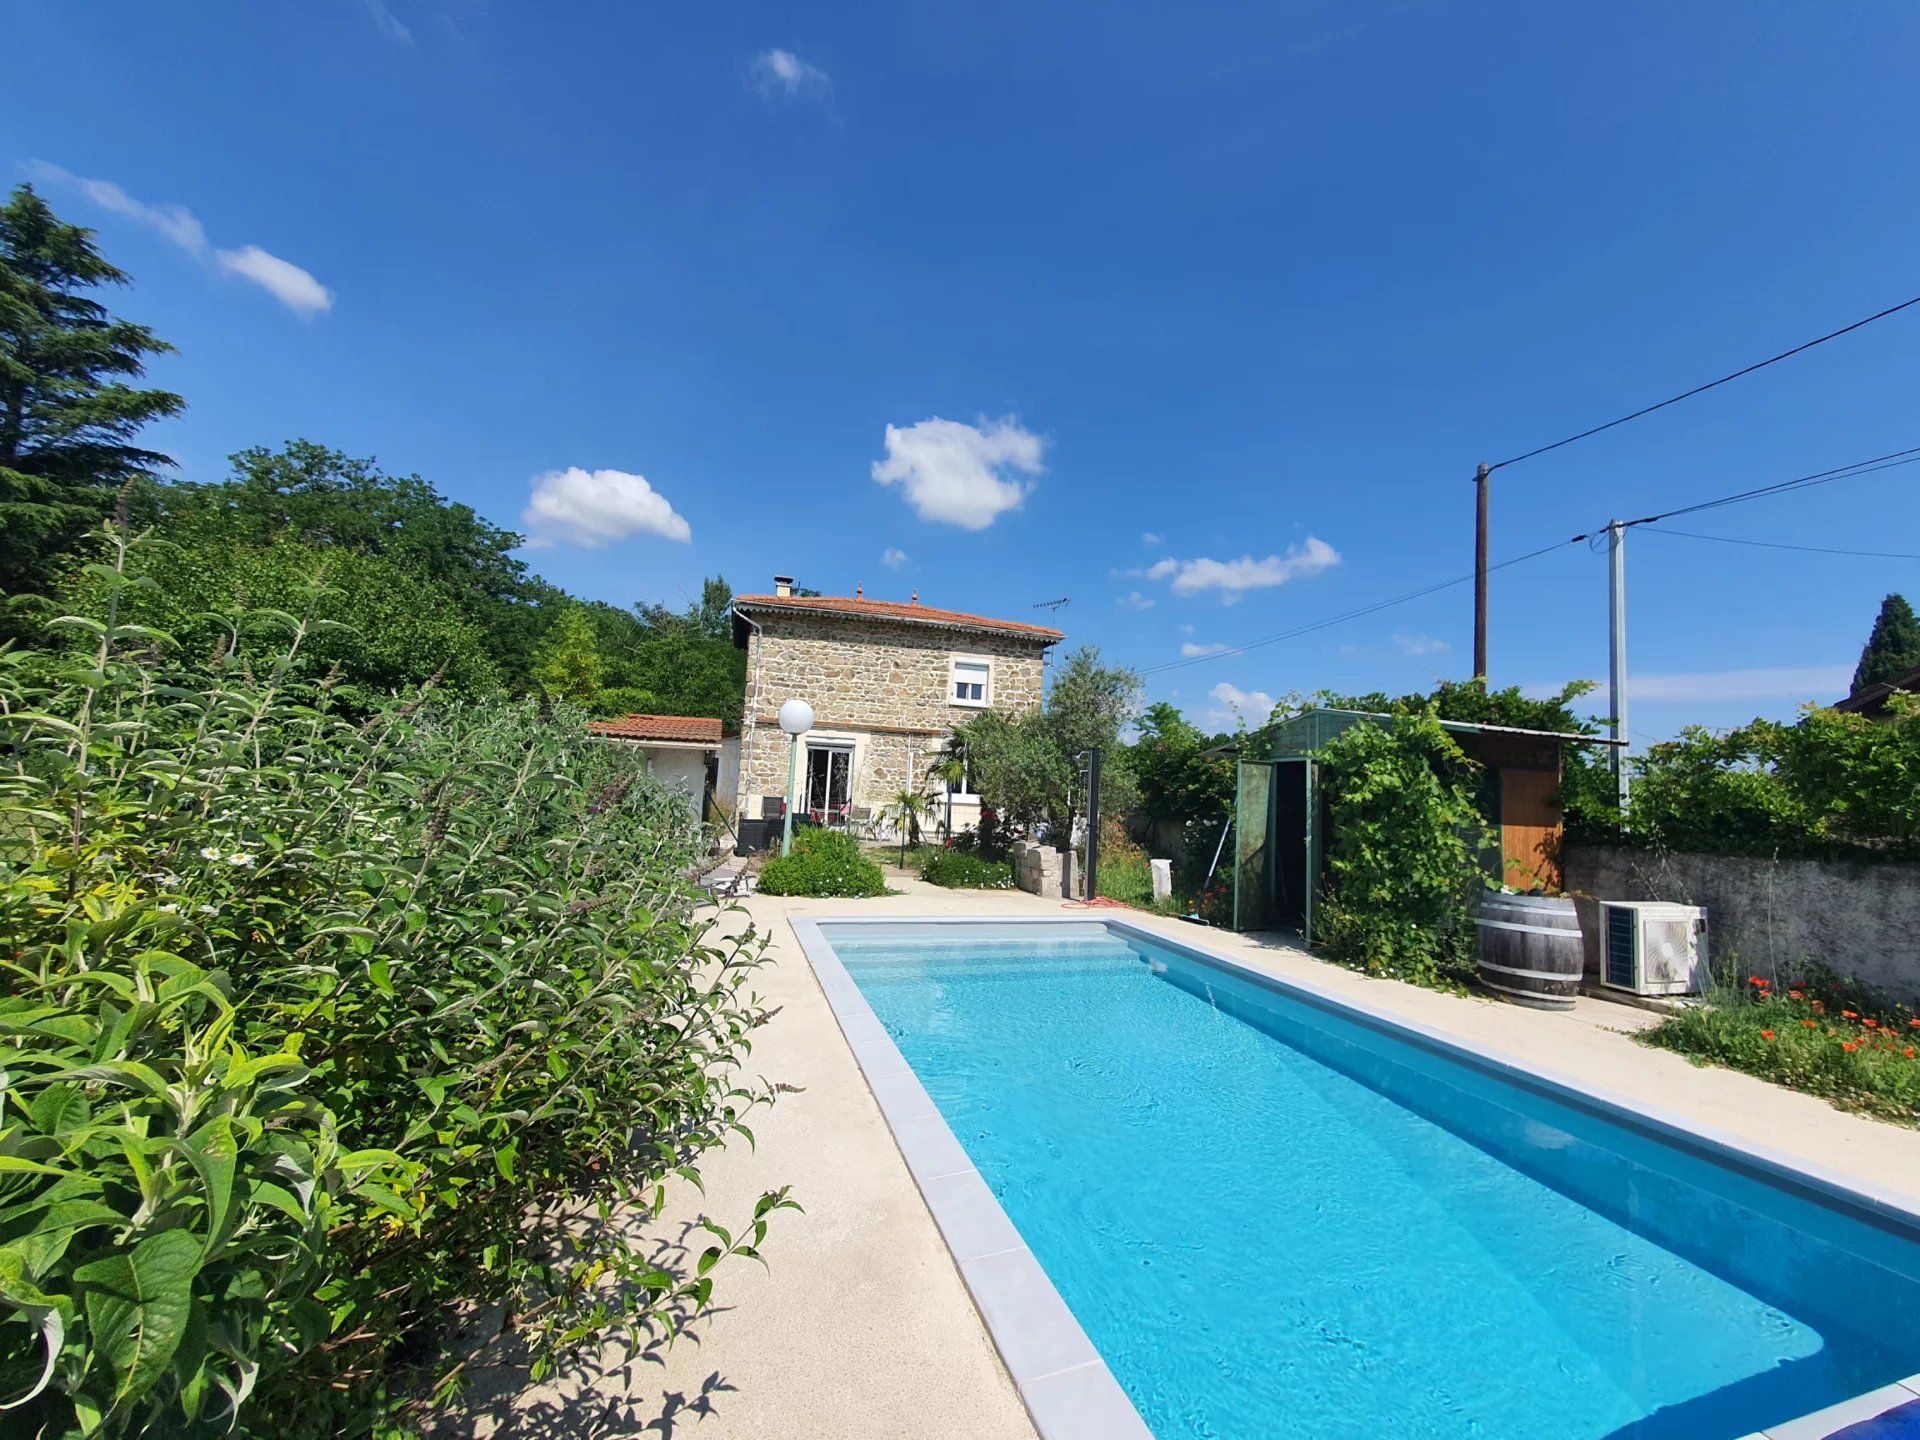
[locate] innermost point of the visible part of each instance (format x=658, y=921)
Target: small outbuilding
x=1281, y=823
x=682, y=752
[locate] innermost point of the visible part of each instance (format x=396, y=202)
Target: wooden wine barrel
x=1530, y=951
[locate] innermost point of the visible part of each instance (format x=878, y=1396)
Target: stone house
x=887, y=683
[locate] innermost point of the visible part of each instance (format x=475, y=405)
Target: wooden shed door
x=1530, y=828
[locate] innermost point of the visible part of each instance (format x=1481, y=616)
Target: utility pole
x=1480, y=572
x=1617, y=650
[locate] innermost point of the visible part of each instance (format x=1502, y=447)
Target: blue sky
x=1218, y=306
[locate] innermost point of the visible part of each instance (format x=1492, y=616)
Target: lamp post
x=796, y=718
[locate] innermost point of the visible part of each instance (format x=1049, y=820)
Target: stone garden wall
x=1769, y=917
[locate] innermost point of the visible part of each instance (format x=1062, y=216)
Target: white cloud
x=1824, y=683
x=957, y=474
x=1419, y=643
x=1233, y=578
x=1192, y=648
x=388, y=23
x=286, y=282
x=1234, y=706
x=1149, y=538
x=1186, y=629
x=895, y=558
x=594, y=508
x=176, y=222
x=783, y=73
x=1134, y=600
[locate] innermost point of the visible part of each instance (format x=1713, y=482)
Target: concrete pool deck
x=860, y=1326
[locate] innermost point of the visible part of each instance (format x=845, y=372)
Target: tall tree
x=1893, y=649
x=1029, y=767
x=318, y=497
x=569, y=663
x=67, y=412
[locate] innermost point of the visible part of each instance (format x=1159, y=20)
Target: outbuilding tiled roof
x=893, y=610
x=685, y=728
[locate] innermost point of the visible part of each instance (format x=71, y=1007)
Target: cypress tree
x=67, y=413
x=1893, y=648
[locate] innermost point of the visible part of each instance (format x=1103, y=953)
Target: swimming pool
x=1271, y=1213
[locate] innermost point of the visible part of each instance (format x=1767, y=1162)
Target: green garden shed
x=1281, y=823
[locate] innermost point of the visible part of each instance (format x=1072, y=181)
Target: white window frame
x=984, y=662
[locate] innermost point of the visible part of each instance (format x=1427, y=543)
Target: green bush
x=1126, y=871
x=320, y=1036
x=1821, y=1035
x=823, y=863
x=1832, y=784
x=957, y=870
x=1403, y=868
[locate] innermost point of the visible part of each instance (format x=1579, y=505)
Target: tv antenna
x=1054, y=605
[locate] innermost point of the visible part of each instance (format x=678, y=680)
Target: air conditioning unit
x=1653, y=948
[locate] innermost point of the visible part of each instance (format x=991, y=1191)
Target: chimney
x=916, y=597
x=783, y=585
x=859, y=590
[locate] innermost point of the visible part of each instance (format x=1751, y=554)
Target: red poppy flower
x=1851, y=1014
x=1809, y=1024
x=1848, y=1045
x=1766, y=1034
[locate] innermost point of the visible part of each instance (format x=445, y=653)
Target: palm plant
x=905, y=811
x=950, y=769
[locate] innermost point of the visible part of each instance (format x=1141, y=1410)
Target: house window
x=972, y=682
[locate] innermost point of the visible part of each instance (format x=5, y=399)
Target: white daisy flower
x=245, y=862
x=209, y=852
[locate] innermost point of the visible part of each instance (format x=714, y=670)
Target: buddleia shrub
x=321, y=1038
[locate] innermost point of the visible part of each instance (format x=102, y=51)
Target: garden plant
x=1819, y=1033
x=1404, y=863
x=823, y=863
x=322, y=1036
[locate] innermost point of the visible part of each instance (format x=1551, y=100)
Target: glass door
x=829, y=784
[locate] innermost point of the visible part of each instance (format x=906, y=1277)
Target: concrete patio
x=859, y=1325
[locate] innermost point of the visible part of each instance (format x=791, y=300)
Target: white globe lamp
x=796, y=718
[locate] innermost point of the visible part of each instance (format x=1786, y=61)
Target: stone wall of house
x=1768, y=917
x=886, y=685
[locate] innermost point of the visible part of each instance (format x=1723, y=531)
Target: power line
x=1778, y=545
x=1893, y=460
x=1710, y=385
x=1889, y=461
x=1345, y=616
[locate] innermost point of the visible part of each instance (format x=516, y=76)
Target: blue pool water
x=1274, y=1220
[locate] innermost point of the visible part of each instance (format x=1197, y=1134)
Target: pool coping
x=1069, y=1392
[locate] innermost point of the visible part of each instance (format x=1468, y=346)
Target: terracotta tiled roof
x=658, y=727
x=892, y=610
